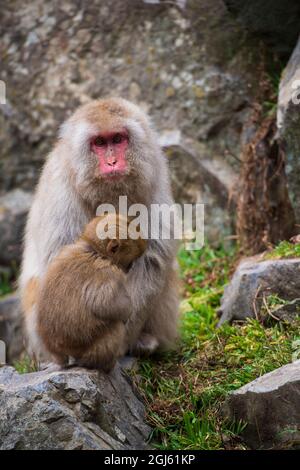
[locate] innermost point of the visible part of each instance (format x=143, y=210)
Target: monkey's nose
x=112, y=161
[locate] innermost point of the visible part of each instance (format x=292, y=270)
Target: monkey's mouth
x=115, y=175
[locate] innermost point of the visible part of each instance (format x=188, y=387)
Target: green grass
x=285, y=249
x=274, y=70
x=5, y=285
x=25, y=365
x=184, y=389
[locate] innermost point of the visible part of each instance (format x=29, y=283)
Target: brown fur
x=76, y=314
x=108, y=113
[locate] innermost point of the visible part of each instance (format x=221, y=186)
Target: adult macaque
x=106, y=149
x=83, y=303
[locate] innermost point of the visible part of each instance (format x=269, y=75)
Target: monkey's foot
x=145, y=345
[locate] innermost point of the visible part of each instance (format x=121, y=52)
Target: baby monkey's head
x=111, y=237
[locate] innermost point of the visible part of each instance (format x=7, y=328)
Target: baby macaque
x=83, y=303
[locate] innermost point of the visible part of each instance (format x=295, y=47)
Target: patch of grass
x=285, y=249
x=184, y=389
x=25, y=365
x=5, y=284
x=206, y=270
x=274, y=301
x=274, y=69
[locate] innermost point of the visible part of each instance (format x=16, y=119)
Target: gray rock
x=270, y=407
x=70, y=409
x=62, y=58
x=275, y=21
x=197, y=178
x=14, y=207
x=253, y=279
x=11, y=331
x=288, y=121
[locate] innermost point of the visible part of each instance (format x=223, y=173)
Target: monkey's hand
x=146, y=276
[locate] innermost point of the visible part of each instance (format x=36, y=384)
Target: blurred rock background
x=199, y=67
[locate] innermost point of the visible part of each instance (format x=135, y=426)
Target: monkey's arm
x=145, y=282
x=106, y=295
x=148, y=272
x=56, y=218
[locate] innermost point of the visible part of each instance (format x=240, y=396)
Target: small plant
x=296, y=349
x=285, y=249
x=5, y=284
x=25, y=365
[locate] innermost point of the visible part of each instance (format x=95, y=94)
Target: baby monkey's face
x=110, y=234
x=124, y=252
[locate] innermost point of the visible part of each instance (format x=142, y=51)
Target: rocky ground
x=228, y=387
x=70, y=409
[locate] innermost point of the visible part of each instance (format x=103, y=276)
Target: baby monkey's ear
x=113, y=247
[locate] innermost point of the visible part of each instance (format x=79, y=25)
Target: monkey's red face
x=110, y=149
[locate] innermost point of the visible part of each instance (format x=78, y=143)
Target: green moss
x=285, y=249
x=184, y=389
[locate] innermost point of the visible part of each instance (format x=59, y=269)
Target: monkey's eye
x=117, y=139
x=99, y=141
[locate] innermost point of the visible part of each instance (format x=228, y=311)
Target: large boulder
x=254, y=279
x=11, y=331
x=269, y=406
x=14, y=207
x=70, y=409
x=288, y=122
x=275, y=21
x=202, y=179
x=64, y=55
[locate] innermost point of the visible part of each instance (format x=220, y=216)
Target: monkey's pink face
x=110, y=149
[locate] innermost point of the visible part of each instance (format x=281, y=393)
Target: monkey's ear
x=113, y=247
